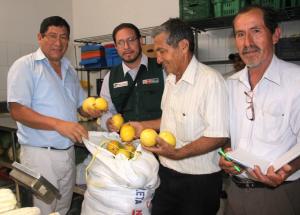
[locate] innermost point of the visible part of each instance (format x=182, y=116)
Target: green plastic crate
x=227, y=7
x=275, y=4
x=195, y=9
x=290, y=3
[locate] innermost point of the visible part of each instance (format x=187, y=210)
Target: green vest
x=143, y=103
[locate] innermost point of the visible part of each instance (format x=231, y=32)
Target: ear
x=184, y=45
x=276, y=35
x=39, y=36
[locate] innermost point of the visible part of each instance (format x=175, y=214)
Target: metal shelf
x=287, y=14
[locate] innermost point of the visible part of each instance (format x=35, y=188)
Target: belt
x=248, y=183
x=52, y=148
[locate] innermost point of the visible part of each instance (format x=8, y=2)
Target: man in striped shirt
x=194, y=109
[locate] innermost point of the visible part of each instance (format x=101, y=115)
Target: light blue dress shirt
x=33, y=83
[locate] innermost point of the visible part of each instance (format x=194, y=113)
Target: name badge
x=151, y=81
x=121, y=84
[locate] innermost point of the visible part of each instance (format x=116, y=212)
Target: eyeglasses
x=129, y=41
x=250, y=109
x=54, y=37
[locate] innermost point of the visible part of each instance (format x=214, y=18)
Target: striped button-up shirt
x=193, y=107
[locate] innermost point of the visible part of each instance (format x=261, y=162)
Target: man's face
x=254, y=40
x=54, y=43
x=168, y=56
x=128, y=45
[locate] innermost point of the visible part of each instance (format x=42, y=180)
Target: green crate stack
x=276, y=4
x=195, y=9
x=290, y=3
x=227, y=7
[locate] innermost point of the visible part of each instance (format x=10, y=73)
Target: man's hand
x=110, y=125
x=164, y=149
x=228, y=166
x=138, y=127
x=272, y=178
x=93, y=113
x=72, y=130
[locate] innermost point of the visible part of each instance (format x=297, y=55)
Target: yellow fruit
x=129, y=147
x=124, y=152
x=148, y=137
x=101, y=104
x=117, y=120
x=127, y=133
x=168, y=137
x=113, y=146
x=88, y=103
x=94, y=104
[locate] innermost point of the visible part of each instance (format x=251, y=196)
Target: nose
x=248, y=40
x=158, y=58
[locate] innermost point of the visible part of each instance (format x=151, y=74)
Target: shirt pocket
x=189, y=126
x=270, y=126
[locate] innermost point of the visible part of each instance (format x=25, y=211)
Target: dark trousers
x=182, y=194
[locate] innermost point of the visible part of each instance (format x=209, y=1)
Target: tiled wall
x=9, y=52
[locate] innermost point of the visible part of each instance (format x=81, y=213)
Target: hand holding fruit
x=94, y=107
x=162, y=144
x=115, y=122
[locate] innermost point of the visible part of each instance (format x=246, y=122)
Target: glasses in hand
x=130, y=41
x=250, y=109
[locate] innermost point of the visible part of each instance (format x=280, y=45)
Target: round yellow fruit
x=127, y=133
x=113, y=146
x=117, y=120
x=88, y=103
x=148, y=137
x=124, y=152
x=168, y=137
x=101, y=104
x=129, y=147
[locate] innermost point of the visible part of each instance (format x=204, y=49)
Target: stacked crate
x=227, y=7
x=92, y=56
x=195, y=9
x=111, y=55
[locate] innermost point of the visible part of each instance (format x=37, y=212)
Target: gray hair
x=177, y=31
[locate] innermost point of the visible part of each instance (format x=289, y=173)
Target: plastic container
x=227, y=7
x=275, y=4
x=195, y=9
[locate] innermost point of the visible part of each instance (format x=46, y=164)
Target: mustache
x=251, y=48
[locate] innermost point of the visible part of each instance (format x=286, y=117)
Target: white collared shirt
x=276, y=98
x=195, y=106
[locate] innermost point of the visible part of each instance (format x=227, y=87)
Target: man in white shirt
x=194, y=107
x=264, y=101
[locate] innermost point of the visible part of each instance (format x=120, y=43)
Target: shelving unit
x=288, y=14
x=88, y=71
x=101, y=40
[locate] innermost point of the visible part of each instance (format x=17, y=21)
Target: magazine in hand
x=248, y=160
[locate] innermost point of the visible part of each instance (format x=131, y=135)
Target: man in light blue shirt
x=44, y=96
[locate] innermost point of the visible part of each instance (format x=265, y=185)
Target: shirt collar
x=39, y=55
x=144, y=61
x=271, y=74
x=189, y=73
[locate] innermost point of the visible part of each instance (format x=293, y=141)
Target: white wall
x=99, y=17
x=20, y=21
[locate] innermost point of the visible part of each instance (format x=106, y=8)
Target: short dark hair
x=126, y=25
x=177, y=30
x=269, y=14
x=54, y=21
